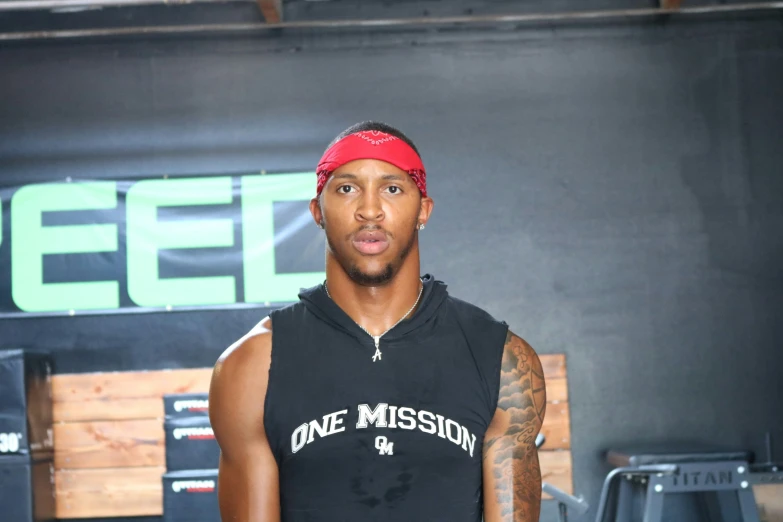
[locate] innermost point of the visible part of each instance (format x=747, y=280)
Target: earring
x=321, y=225
x=421, y=226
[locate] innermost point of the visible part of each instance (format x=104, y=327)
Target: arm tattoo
x=514, y=463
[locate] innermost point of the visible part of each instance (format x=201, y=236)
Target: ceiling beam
x=273, y=10
x=421, y=22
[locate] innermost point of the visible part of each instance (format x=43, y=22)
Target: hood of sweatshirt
x=433, y=296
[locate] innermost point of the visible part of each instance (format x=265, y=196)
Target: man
x=377, y=397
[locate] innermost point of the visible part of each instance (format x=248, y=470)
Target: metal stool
x=653, y=474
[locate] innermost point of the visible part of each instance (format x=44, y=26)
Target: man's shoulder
x=237, y=392
x=471, y=312
x=291, y=312
x=248, y=357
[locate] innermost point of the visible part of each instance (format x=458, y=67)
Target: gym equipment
x=26, y=491
x=192, y=456
x=181, y=405
x=25, y=403
x=190, y=444
x=564, y=500
x=648, y=476
x=651, y=474
x=26, y=454
x=190, y=496
x=767, y=472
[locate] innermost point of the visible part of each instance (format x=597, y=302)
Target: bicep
x=512, y=476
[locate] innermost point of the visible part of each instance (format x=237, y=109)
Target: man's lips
x=370, y=242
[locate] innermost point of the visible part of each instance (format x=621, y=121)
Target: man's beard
x=363, y=278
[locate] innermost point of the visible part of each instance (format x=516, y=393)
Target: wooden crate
x=769, y=498
x=109, y=442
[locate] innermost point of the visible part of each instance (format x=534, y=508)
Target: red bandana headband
x=372, y=145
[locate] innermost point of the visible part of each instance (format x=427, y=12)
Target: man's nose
x=370, y=207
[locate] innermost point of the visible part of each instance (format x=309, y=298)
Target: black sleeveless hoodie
x=396, y=439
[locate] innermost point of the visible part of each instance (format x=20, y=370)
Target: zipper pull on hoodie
x=321, y=305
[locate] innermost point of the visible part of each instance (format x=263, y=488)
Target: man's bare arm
x=248, y=486
x=512, y=477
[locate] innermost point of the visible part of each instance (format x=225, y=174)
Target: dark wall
x=613, y=192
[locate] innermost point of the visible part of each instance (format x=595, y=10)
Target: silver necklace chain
x=377, y=338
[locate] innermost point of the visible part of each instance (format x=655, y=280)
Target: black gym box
x=25, y=404
x=26, y=489
x=190, y=444
x=26, y=449
x=181, y=405
x=190, y=496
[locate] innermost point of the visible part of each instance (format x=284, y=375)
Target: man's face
x=370, y=210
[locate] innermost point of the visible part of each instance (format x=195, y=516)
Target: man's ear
x=315, y=210
x=425, y=209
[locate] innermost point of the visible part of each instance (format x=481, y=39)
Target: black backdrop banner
x=157, y=244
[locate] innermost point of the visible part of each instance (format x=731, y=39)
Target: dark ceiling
x=40, y=20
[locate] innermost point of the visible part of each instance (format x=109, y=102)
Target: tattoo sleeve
x=511, y=467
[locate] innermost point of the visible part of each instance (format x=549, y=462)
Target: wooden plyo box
x=769, y=498
x=109, y=449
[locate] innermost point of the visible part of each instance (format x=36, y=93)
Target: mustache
x=370, y=228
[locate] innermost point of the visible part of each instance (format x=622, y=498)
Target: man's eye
x=345, y=189
x=394, y=190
